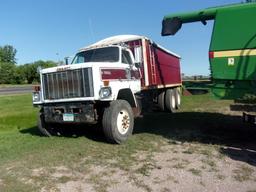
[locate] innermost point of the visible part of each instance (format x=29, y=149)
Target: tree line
x=11, y=73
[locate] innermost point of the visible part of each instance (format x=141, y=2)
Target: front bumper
x=80, y=112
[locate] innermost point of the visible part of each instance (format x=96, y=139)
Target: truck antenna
x=91, y=28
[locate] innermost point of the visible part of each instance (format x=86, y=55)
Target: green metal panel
x=223, y=89
x=234, y=29
x=244, y=68
x=234, y=81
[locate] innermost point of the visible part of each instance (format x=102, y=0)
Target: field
x=204, y=147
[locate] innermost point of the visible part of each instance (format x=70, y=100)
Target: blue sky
x=53, y=29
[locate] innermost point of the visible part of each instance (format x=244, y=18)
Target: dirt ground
x=176, y=167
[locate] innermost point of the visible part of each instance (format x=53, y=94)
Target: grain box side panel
x=167, y=68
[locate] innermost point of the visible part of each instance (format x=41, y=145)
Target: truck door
x=126, y=60
x=132, y=73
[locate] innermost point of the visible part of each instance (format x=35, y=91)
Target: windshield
x=106, y=54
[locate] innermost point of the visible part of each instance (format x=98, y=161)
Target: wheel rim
x=123, y=122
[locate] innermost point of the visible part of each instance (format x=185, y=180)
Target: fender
x=126, y=94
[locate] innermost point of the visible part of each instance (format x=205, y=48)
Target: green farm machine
x=232, y=52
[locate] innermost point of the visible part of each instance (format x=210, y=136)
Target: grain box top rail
x=124, y=38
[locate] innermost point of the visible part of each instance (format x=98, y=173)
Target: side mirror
x=138, y=55
x=137, y=65
x=38, y=69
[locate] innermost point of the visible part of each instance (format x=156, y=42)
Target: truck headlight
x=105, y=92
x=36, y=96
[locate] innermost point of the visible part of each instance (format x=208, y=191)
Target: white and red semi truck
x=110, y=82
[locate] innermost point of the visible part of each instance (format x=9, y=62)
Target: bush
x=10, y=73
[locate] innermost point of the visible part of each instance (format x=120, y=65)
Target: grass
x=145, y=169
x=196, y=172
x=100, y=184
x=243, y=173
x=190, y=150
x=179, y=166
x=211, y=164
x=23, y=150
x=221, y=177
x=14, y=85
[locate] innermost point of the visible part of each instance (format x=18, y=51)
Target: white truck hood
x=81, y=65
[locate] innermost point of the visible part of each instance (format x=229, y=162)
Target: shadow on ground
x=72, y=131
x=237, y=138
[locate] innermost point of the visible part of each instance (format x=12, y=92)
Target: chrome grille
x=68, y=84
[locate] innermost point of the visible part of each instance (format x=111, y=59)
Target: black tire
x=45, y=128
x=170, y=101
x=138, y=110
x=117, y=112
x=177, y=92
x=160, y=101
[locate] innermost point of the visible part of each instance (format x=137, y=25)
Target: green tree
x=7, y=54
x=30, y=70
x=12, y=73
x=19, y=76
x=7, y=73
x=7, y=64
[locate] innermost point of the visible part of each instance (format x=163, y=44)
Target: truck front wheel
x=118, y=121
x=44, y=128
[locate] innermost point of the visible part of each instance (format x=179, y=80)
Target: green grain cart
x=232, y=51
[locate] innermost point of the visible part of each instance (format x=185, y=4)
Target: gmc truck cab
x=81, y=92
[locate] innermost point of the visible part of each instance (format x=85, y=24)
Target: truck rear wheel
x=170, y=100
x=177, y=97
x=160, y=101
x=118, y=121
